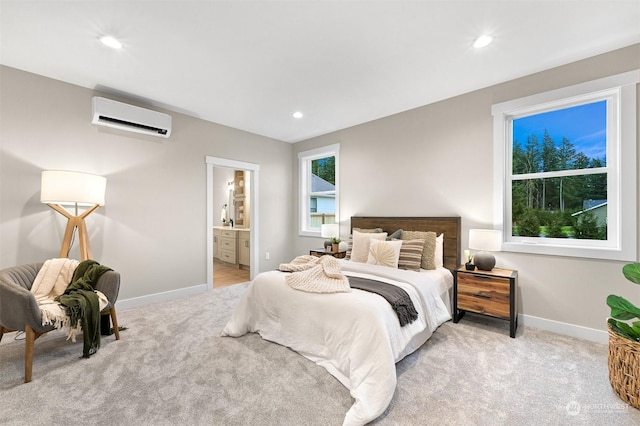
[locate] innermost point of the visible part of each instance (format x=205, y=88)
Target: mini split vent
x=122, y=116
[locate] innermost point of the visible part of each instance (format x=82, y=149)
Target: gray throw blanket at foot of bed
x=399, y=299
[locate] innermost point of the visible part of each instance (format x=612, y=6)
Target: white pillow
x=361, y=243
x=385, y=253
x=439, y=254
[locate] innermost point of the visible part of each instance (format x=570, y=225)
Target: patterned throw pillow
x=361, y=243
x=384, y=253
x=411, y=254
x=429, y=251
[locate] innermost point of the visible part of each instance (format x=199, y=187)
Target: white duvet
x=356, y=336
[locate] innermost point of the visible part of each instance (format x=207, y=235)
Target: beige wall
x=437, y=160
x=433, y=160
x=153, y=226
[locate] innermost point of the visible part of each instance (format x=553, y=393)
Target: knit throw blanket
x=51, y=282
x=324, y=275
x=316, y=274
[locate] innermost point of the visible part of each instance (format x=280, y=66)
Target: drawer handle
x=482, y=295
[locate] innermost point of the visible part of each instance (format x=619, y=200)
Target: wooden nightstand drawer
x=485, y=295
x=492, y=293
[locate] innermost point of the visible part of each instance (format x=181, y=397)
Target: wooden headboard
x=449, y=226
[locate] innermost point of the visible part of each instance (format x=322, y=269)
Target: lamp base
x=73, y=223
x=484, y=261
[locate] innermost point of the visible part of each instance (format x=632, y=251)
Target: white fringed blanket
x=52, y=280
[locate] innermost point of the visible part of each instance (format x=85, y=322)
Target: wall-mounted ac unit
x=107, y=112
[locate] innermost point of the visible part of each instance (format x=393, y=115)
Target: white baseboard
x=161, y=297
x=566, y=329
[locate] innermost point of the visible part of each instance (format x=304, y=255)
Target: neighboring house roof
x=589, y=204
x=320, y=185
x=602, y=203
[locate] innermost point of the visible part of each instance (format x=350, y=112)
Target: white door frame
x=254, y=170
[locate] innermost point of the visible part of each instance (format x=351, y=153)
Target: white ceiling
x=251, y=64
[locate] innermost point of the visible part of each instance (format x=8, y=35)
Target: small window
x=318, y=188
x=566, y=170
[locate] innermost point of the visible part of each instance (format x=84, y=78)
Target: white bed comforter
x=356, y=336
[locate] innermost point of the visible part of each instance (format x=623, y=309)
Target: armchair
x=19, y=309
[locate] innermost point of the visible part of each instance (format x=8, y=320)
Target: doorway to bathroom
x=232, y=222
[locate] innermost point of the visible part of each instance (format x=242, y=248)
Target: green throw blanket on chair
x=81, y=303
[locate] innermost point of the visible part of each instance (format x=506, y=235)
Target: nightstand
x=321, y=252
x=493, y=293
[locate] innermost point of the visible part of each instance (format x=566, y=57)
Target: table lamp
x=485, y=240
x=329, y=230
x=58, y=188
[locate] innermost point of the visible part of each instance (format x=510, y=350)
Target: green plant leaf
x=621, y=308
x=629, y=330
x=631, y=272
x=621, y=329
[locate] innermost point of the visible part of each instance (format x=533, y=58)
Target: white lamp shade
x=485, y=239
x=64, y=187
x=329, y=230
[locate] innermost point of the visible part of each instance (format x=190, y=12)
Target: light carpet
x=172, y=367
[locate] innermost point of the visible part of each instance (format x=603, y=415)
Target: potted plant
x=469, y=266
x=335, y=244
x=468, y=261
x=624, y=342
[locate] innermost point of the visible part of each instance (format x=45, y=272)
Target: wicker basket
x=624, y=368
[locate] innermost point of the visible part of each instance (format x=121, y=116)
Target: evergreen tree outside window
x=559, y=173
x=565, y=175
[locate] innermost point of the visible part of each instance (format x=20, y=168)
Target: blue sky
x=585, y=126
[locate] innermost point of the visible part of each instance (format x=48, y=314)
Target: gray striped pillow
x=411, y=254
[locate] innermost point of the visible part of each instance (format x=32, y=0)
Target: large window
x=318, y=188
x=566, y=175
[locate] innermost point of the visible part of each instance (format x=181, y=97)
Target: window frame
x=620, y=92
x=304, y=169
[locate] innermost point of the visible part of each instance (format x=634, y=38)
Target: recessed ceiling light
x=482, y=41
x=111, y=42
x=297, y=114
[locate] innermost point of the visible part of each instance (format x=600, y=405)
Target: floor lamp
x=60, y=188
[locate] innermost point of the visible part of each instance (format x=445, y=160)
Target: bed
x=356, y=336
